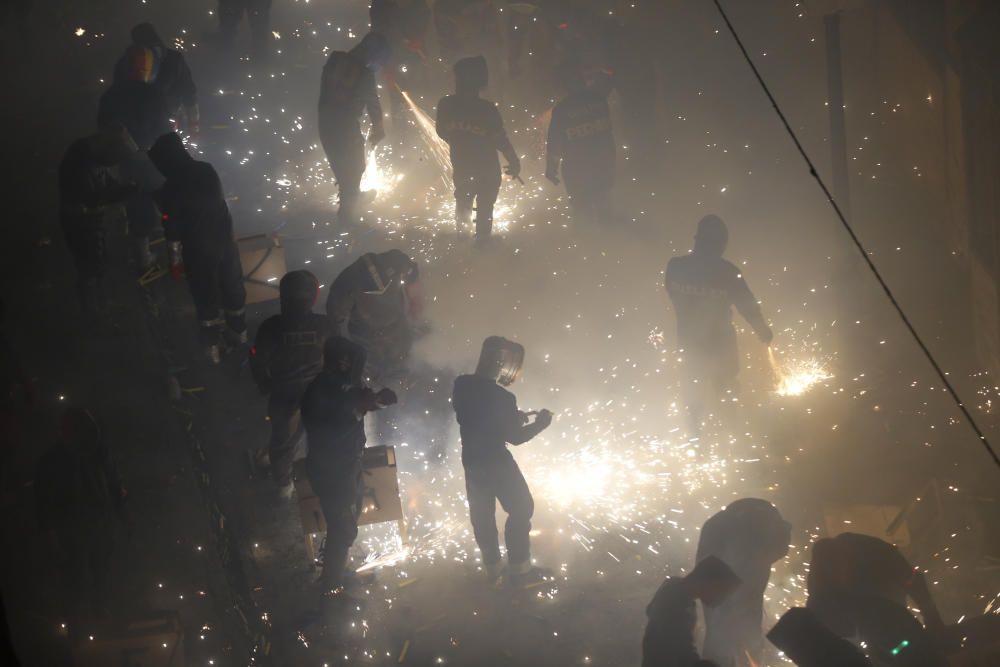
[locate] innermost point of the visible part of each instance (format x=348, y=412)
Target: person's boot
x=524, y=575
x=493, y=572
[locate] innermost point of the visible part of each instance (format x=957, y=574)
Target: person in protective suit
x=333, y=411
x=199, y=230
x=92, y=191
x=375, y=301
x=258, y=13
x=137, y=102
x=489, y=420
x=858, y=587
x=749, y=536
x=173, y=79
x=581, y=140
x=474, y=130
x=78, y=496
x=286, y=356
x=668, y=640
x=703, y=288
x=348, y=90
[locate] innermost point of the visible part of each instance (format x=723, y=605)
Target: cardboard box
x=156, y=640
x=380, y=497
x=263, y=262
x=380, y=500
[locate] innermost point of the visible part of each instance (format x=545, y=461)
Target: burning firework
x=797, y=378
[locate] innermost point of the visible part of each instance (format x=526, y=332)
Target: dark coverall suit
x=669, y=637
x=258, y=14
x=474, y=130
x=748, y=536
x=90, y=186
x=143, y=110
x=333, y=411
x=196, y=214
x=488, y=420
x=347, y=90
x=580, y=137
x=703, y=288
x=287, y=355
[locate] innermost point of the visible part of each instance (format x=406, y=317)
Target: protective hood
x=373, y=50
x=144, y=35
x=712, y=236
x=471, y=75
x=169, y=155
x=344, y=359
x=298, y=290
x=501, y=360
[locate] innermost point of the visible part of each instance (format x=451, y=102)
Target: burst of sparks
x=796, y=378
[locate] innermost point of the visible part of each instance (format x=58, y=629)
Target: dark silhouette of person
x=489, y=420
x=474, y=130
x=749, y=536
x=348, y=90
x=333, y=412
x=704, y=287
x=286, y=357
x=668, y=640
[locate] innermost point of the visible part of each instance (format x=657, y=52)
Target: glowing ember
x=379, y=178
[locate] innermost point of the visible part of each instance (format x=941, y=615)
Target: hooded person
x=258, y=14
x=474, y=131
x=137, y=101
x=581, y=141
x=199, y=230
x=333, y=412
x=749, y=535
x=489, y=420
x=286, y=356
x=858, y=587
x=703, y=289
x=173, y=79
x=375, y=301
x=92, y=192
x=672, y=614
x=348, y=90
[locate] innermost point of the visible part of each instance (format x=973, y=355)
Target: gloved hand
x=513, y=170
x=765, y=335
x=543, y=418
x=551, y=177
x=175, y=260
x=386, y=397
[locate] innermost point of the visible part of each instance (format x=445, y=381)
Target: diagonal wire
x=859, y=245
